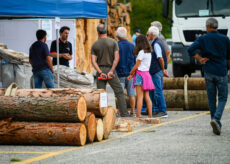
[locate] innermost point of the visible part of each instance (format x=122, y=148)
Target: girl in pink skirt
x=141, y=78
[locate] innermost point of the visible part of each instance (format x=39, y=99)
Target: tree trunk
x=90, y=123
x=178, y=83
x=92, y=96
x=197, y=99
x=57, y=109
x=99, y=130
x=108, y=122
x=35, y=133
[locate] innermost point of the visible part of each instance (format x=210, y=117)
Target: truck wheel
x=177, y=70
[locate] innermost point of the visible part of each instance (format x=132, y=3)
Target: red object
x=111, y=76
x=102, y=77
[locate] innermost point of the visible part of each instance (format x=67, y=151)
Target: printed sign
x=103, y=100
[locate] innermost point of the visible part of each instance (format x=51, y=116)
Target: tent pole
x=57, y=45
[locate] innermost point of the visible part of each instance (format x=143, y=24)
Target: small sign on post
x=57, y=27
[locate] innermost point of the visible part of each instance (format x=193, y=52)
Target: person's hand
x=52, y=70
x=165, y=73
x=203, y=60
x=129, y=77
x=65, y=55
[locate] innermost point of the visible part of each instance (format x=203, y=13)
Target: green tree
x=146, y=11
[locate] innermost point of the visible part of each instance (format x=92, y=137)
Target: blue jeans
x=216, y=85
x=128, y=85
x=157, y=95
x=46, y=76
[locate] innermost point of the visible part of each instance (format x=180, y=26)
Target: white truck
x=188, y=23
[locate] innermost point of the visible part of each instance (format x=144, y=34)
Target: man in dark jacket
x=40, y=60
x=158, y=69
x=125, y=65
x=213, y=51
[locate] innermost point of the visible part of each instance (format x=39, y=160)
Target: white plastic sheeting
x=70, y=78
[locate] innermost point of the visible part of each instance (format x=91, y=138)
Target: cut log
x=90, y=123
x=134, y=121
x=35, y=133
x=93, y=97
x=126, y=127
x=178, y=83
x=99, y=130
x=197, y=99
x=57, y=109
x=108, y=122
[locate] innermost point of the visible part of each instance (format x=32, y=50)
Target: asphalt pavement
x=185, y=137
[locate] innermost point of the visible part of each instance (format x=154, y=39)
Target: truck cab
x=189, y=18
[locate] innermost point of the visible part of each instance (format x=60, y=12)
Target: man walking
x=105, y=57
x=125, y=65
x=213, y=51
x=157, y=70
x=39, y=58
x=65, y=48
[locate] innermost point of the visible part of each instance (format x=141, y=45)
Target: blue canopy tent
x=53, y=8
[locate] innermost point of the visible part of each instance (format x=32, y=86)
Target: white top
x=145, y=60
x=157, y=50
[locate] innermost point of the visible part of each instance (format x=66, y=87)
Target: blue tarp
x=54, y=8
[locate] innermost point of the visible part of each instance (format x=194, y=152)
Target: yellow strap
x=11, y=90
x=186, y=92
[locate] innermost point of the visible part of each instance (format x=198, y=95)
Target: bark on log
x=178, y=83
x=109, y=122
x=35, y=133
x=197, y=99
x=90, y=123
x=99, y=130
x=57, y=109
x=92, y=96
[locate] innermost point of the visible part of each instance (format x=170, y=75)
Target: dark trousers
x=117, y=89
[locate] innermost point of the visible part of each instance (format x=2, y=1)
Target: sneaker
x=160, y=114
x=132, y=115
x=216, y=128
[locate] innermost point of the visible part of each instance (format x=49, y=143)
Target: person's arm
x=158, y=52
x=115, y=62
x=168, y=56
x=68, y=56
x=94, y=63
x=49, y=61
x=134, y=69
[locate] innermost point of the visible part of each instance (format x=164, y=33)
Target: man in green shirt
x=105, y=57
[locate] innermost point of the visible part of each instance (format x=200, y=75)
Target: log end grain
x=99, y=130
x=81, y=108
x=82, y=135
x=109, y=122
x=91, y=125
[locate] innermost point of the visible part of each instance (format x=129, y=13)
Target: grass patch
x=15, y=160
x=150, y=131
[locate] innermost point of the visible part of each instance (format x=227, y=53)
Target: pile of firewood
x=86, y=32
x=118, y=15
x=55, y=116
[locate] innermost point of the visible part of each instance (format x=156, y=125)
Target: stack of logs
x=55, y=117
x=86, y=33
x=179, y=96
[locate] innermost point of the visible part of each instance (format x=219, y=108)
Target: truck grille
x=192, y=35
